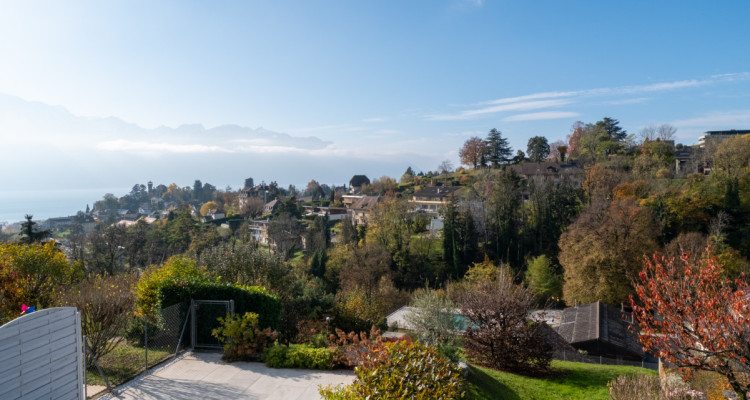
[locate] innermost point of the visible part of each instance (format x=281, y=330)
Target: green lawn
x=124, y=363
x=568, y=381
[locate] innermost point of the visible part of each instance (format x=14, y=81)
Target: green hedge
x=246, y=299
x=299, y=356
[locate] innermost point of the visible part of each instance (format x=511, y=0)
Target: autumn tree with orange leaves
x=693, y=318
x=472, y=152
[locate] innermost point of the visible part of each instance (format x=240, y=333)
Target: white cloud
x=151, y=147
x=388, y=132
x=656, y=87
x=535, y=96
x=558, y=98
x=626, y=101
x=518, y=106
x=541, y=115
x=736, y=119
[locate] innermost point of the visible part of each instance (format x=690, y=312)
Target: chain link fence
x=146, y=342
x=581, y=357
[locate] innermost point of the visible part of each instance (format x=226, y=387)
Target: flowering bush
x=402, y=370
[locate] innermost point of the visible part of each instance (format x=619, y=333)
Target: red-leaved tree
x=693, y=318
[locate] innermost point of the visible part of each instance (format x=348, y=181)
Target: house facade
x=433, y=198
x=541, y=172
x=359, y=212
x=259, y=230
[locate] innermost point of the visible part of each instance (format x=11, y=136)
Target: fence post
x=192, y=324
x=600, y=360
x=85, y=367
x=145, y=335
x=184, y=325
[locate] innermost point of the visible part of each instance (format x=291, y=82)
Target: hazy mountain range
x=46, y=146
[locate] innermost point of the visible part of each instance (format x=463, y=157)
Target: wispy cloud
x=717, y=120
x=535, y=96
x=510, y=106
x=231, y=147
x=152, y=147
x=541, y=115
x=625, y=101
x=542, y=100
x=371, y=120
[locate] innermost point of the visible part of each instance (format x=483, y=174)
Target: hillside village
x=565, y=226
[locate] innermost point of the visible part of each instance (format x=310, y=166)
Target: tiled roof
x=598, y=322
x=365, y=203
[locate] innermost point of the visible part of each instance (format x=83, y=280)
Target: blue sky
x=345, y=87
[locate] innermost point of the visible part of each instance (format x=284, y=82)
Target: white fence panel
x=40, y=356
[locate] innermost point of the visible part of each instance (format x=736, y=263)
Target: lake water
x=43, y=204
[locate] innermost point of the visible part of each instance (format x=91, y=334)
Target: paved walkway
x=204, y=376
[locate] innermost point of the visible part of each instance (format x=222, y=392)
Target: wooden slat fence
x=40, y=356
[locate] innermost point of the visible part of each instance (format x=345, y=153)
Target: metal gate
x=203, y=317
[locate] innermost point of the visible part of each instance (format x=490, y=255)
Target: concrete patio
x=204, y=376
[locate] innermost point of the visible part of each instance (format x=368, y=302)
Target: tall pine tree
x=29, y=234
x=498, y=150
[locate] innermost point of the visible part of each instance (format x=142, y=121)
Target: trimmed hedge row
x=246, y=299
x=299, y=356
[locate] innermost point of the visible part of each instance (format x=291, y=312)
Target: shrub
x=299, y=356
x=253, y=299
x=402, y=370
x=643, y=387
x=500, y=336
x=650, y=387
x=135, y=333
x=28, y=275
x=242, y=338
x=433, y=317
x=177, y=271
x=106, y=304
x=180, y=279
x=449, y=352
x=354, y=348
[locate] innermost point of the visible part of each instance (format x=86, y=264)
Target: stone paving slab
x=204, y=376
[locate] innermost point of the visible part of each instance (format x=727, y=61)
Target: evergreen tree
x=459, y=241
x=612, y=127
x=318, y=263
x=29, y=234
x=349, y=233
x=498, y=150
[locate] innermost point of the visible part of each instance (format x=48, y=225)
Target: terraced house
x=433, y=198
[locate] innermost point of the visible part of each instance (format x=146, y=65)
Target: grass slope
x=568, y=381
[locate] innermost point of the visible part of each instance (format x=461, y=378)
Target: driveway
x=204, y=376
